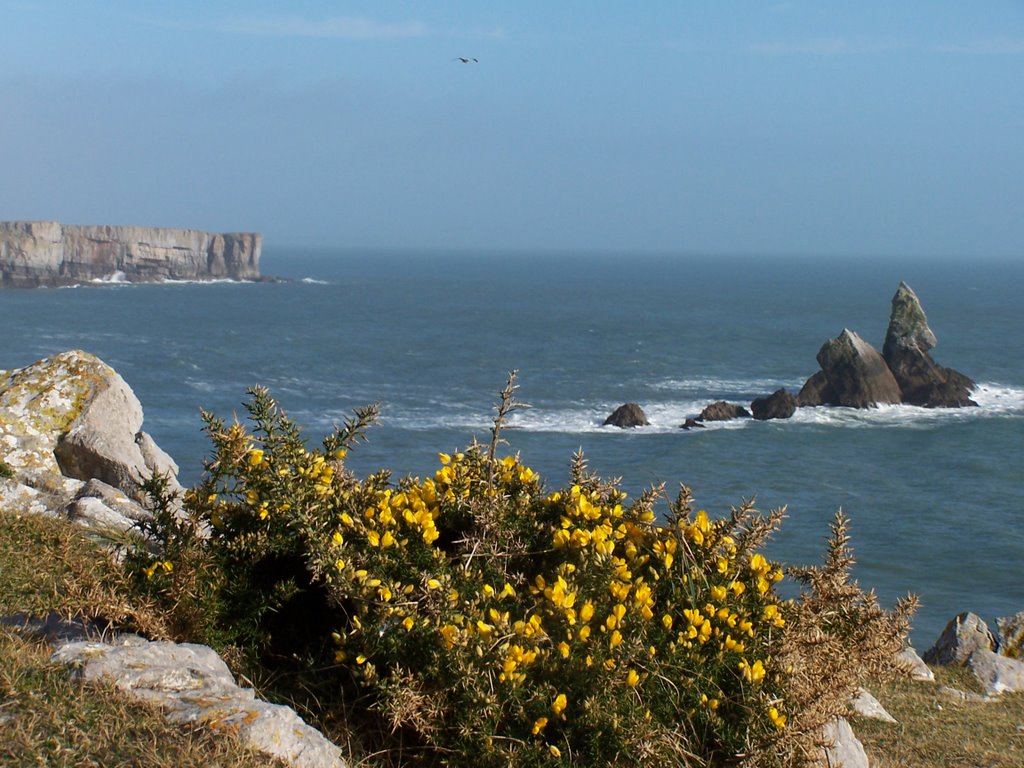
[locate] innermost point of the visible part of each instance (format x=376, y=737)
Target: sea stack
x=906, y=352
x=853, y=374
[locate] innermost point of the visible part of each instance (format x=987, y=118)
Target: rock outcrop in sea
x=48, y=253
x=906, y=351
x=854, y=374
x=627, y=416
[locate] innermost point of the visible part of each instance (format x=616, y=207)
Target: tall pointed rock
x=906, y=352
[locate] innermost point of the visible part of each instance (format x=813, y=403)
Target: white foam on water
x=214, y=281
x=313, y=281
x=723, y=389
x=994, y=400
x=115, y=277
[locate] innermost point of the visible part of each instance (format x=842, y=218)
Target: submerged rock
x=627, y=416
x=906, y=352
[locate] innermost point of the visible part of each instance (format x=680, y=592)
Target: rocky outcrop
x=856, y=375
x=996, y=673
x=815, y=391
x=963, y=635
x=627, y=416
x=193, y=685
x=71, y=437
x=48, y=253
x=913, y=666
x=906, y=351
x=778, y=405
x=1010, y=635
x=967, y=641
x=864, y=704
x=723, y=411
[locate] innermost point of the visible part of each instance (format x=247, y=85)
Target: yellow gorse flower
x=559, y=704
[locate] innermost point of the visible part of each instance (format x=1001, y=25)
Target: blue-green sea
x=935, y=496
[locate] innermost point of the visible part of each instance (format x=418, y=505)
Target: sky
x=831, y=129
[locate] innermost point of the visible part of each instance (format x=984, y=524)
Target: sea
x=934, y=496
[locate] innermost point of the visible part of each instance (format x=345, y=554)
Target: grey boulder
x=963, y=635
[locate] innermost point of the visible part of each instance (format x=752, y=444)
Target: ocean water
x=935, y=496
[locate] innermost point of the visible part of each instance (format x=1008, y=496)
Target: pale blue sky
x=831, y=128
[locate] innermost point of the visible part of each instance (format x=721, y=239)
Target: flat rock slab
x=866, y=705
x=997, y=674
x=194, y=685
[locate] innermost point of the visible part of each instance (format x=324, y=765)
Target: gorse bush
x=477, y=616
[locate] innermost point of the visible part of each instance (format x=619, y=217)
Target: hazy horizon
x=776, y=129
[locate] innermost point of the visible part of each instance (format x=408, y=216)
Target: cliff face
x=36, y=253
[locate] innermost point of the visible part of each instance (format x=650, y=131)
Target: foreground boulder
x=68, y=419
x=627, y=416
x=842, y=749
x=193, y=685
x=856, y=375
x=778, y=405
x=723, y=411
x=997, y=674
x=906, y=352
x=963, y=635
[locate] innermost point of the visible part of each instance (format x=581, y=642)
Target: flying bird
x=465, y=60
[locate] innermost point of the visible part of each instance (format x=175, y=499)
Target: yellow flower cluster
x=597, y=598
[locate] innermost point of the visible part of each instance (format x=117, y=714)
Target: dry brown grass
x=935, y=730
x=46, y=717
x=49, y=719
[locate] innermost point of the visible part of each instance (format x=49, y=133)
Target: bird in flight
x=465, y=60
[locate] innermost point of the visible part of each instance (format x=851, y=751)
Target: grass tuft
x=46, y=717
x=936, y=729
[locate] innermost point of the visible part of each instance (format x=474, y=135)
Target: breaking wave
x=667, y=415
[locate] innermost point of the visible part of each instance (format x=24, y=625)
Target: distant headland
x=47, y=253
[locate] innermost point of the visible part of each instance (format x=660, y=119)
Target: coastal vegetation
x=48, y=567
x=477, y=615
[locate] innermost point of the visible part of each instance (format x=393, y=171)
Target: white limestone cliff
x=48, y=253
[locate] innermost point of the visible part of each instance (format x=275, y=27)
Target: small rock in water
x=627, y=416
